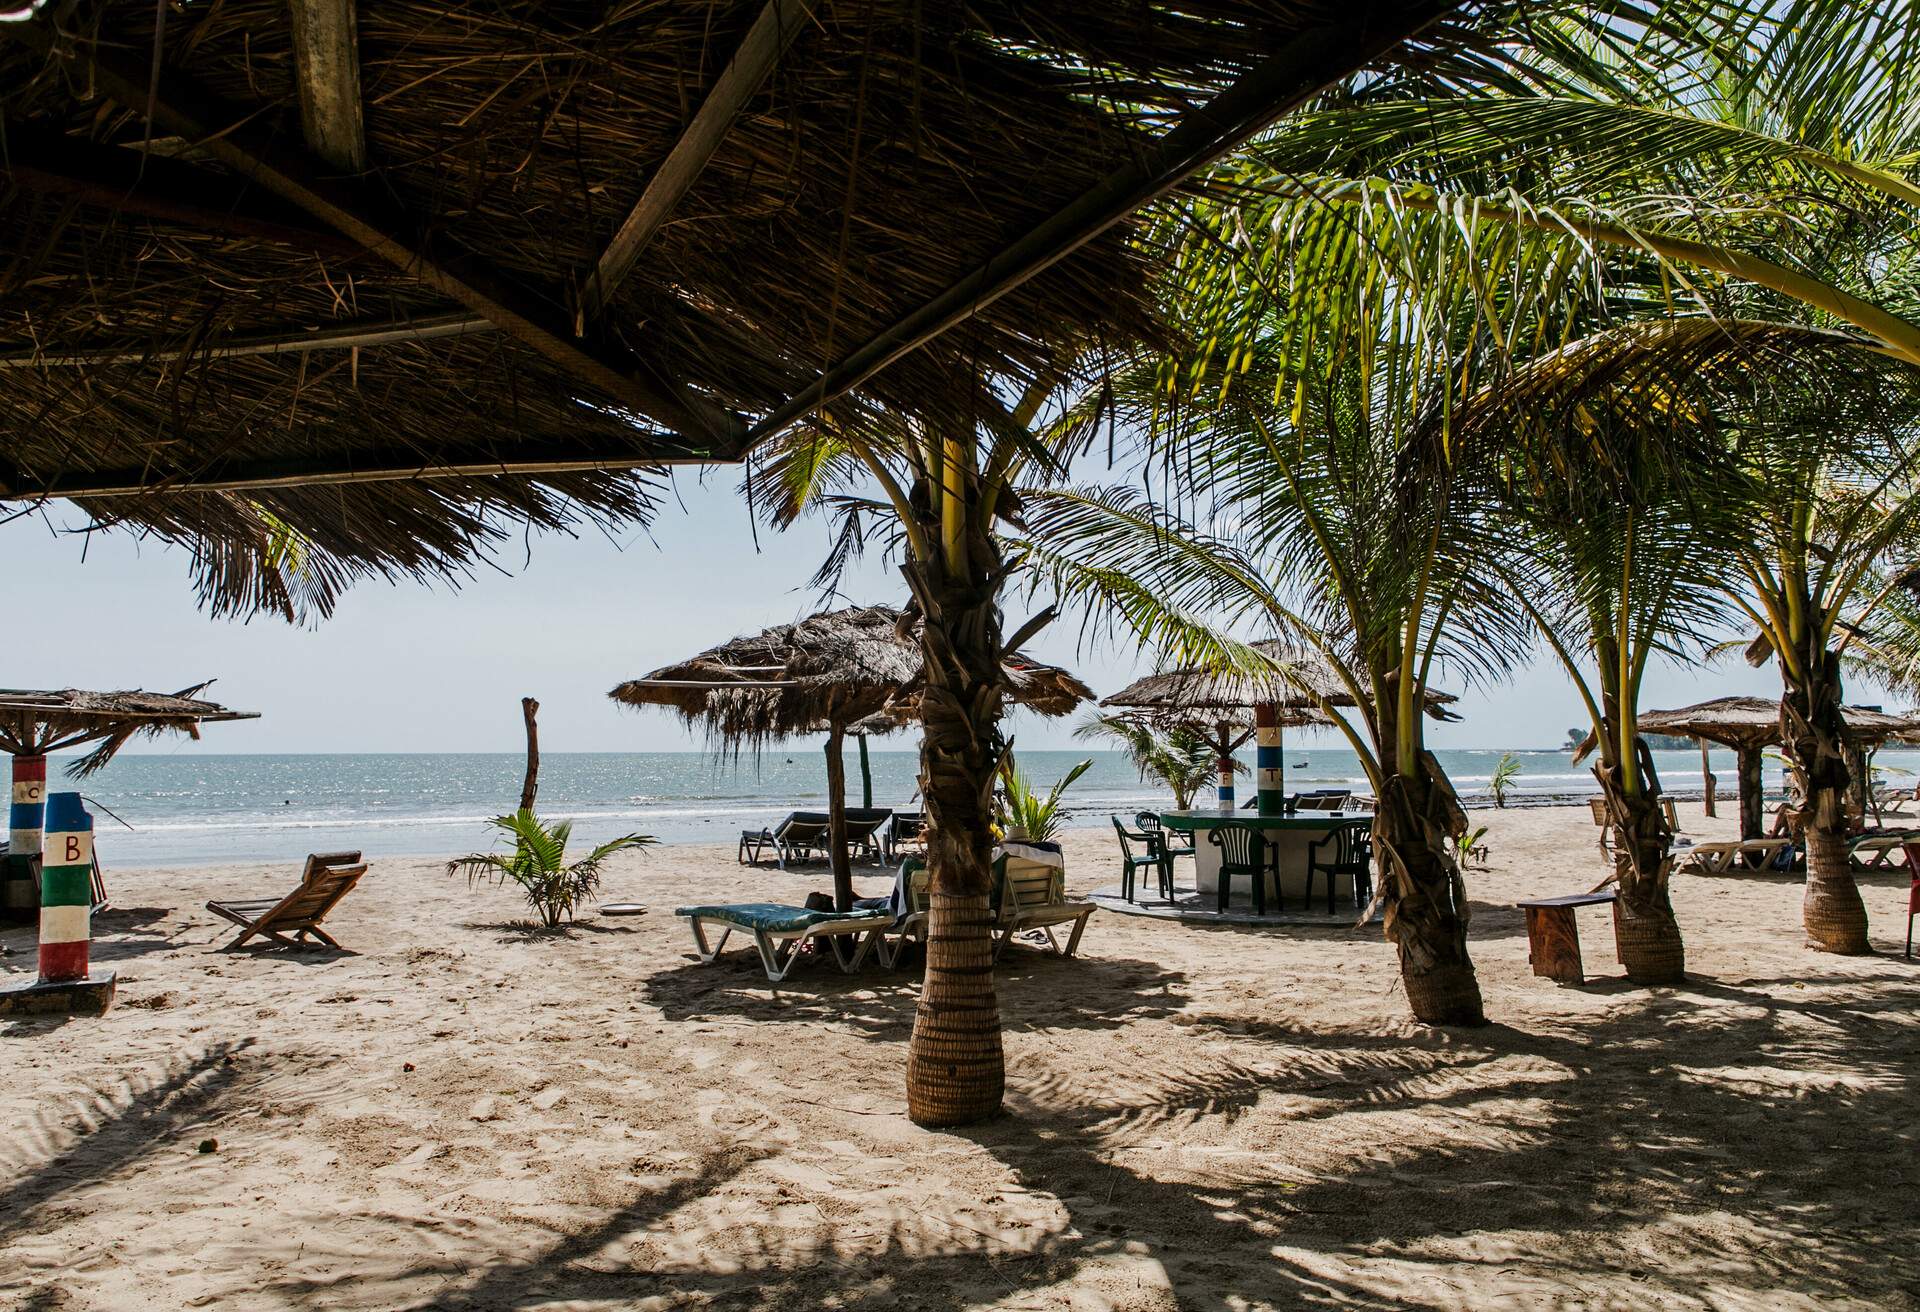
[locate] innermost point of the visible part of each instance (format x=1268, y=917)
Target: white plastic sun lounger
x=778, y=931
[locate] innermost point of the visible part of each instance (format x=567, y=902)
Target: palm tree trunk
x=956, y=1071
x=837, y=819
x=1425, y=902
x=1812, y=731
x=1645, y=930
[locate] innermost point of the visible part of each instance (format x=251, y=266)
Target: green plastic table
x=1288, y=835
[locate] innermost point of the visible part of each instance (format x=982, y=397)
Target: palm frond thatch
x=1753, y=722
x=857, y=669
x=1300, y=684
x=33, y=723
x=896, y=147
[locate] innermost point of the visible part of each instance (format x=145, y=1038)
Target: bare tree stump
x=529, y=708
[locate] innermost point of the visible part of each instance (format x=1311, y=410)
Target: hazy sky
x=409, y=668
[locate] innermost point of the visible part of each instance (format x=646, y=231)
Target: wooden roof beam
x=229, y=134
x=458, y=323
x=1308, y=64
x=772, y=32
x=196, y=198
x=530, y=457
x=326, y=69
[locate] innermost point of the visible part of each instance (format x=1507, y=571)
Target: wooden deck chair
x=1034, y=897
x=326, y=878
x=779, y=931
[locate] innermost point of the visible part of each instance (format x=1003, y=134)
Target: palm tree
x=945, y=495
x=1629, y=511
x=1348, y=511
x=1761, y=156
x=1841, y=495
x=554, y=886
x=1179, y=756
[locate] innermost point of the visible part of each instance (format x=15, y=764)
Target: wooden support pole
x=326, y=67
x=128, y=182
x=1269, y=770
x=779, y=22
x=866, y=775
x=1753, y=793
x=837, y=820
x=339, y=338
x=66, y=891
x=1707, y=780
x=528, y=457
x=530, y=786
x=1223, y=762
x=20, y=893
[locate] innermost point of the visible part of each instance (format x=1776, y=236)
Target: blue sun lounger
x=778, y=931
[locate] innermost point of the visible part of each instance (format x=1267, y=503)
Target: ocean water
x=204, y=809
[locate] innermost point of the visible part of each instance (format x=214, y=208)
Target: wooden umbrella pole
x=20, y=895
x=1224, y=763
x=1269, y=777
x=837, y=820
x=1752, y=789
x=529, y=708
x=866, y=775
x=1707, y=780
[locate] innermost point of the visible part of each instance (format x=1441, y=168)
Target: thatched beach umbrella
x=33, y=724
x=1229, y=708
x=855, y=670
x=1750, y=724
x=464, y=292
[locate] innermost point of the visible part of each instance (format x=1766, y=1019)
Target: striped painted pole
x=1224, y=763
x=20, y=893
x=1269, y=767
x=66, y=891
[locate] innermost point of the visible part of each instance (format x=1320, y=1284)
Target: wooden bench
x=1553, y=939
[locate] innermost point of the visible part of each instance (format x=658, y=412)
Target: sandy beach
x=461, y=1112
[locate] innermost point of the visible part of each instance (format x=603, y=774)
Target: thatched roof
x=469, y=238
x=35, y=723
x=1750, y=722
x=858, y=668
x=1199, y=696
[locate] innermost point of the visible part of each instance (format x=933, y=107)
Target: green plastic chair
x=1131, y=863
x=1243, y=851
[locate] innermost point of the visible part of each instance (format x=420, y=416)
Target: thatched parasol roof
x=857, y=668
x=35, y=723
x=1754, y=722
x=1196, y=695
x=285, y=271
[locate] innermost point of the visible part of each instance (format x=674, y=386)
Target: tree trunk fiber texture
x=1812, y=731
x=956, y=1070
x=837, y=819
x=1645, y=931
x=1424, y=900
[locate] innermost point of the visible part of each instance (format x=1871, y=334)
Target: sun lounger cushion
x=768, y=917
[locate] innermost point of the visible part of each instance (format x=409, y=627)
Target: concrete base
x=77, y=997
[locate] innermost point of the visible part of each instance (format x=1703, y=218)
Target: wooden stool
x=1553, y=939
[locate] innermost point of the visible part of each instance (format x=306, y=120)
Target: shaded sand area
x=459, y=1113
